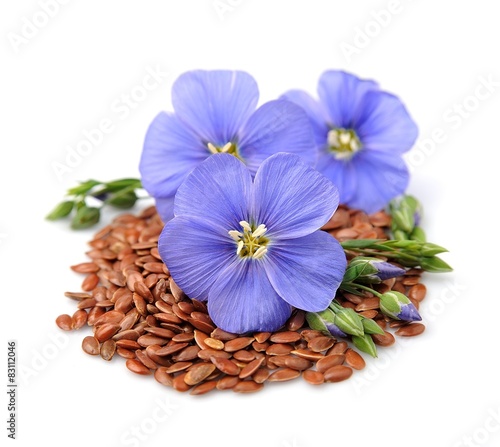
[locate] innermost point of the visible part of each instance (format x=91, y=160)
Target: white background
x=65, y=75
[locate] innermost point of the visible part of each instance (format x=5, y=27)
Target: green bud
x=365, y=343
x=390, y=302
x=61, y=210
x=316, y=320
x=403, y=220
x=122, y=200
x=370, y=327
x=418, y=235
x=348, y=321
x=399, y=235
x=429, y=249
x=83, y=188
x=353, y=244
x=85, y=217
x=435, y=265
x=360, y=266
x=118, y=185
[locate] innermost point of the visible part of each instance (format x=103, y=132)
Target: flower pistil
x=251, y=242
x=343, y=143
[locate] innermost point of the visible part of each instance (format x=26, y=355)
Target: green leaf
x=85, y=217
x=61, y=210
x=365, y=343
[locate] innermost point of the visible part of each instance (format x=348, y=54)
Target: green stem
x=363, y=287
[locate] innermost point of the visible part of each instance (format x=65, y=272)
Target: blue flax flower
x=252, y=247
x=215, y=111
x=361, y=132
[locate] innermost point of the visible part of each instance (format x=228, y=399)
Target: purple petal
x=277, y=126
x=306, y=272
x=243, y=300
x=385, y=125
x=291, y=198
x=341, y=173
x=334, y=330
x=315, y=111
x=170, y=152
x=409, y=313
x=380, y=178
x=218, y=190
x=386, y=270
x=165, y=207
x=342, y=95
x=195, y=252
x=215, y=104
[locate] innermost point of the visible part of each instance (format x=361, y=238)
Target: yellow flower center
x=250, y=242
x=343, y=143
x=228, y=148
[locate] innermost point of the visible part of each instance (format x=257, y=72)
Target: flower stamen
x=250, y=243
x=228, y=148
x=343, y=143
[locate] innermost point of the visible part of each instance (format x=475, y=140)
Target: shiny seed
x=417, y=292
x=238, y=343
x=214, y=343
x=189, y=353
x=179, y=384
x=64, y=322
x=108, y=349
x=227, y=382
x=411, y=330
x=279, y=349
x=145, y=359
x=85, y=267
x=203, y=388
x=219, y=334
x=90, y=345
x=285, y=337
x=106, y=331
x=137, y=367
x=261, y=375
x=247, y=386
x=386, y=339
x=313, y=377
x=282, y=375
x=262, y=337
x=327, y=362
x=168, y=350
x=298, y=363
x=307, y=354
x=206, y=354
x=320, y=344
x=253, y=366
x=296, y=321
x=337, y=373
x=354, y=359
x=162, y=376
x=178, y=366
x=199, y=372
x=225, y=365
